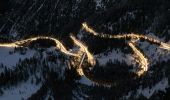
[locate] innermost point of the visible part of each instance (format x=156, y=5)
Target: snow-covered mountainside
x=84, y=49
x=24, y=71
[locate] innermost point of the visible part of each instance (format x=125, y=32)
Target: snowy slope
x=11, y=60
x=21, y=91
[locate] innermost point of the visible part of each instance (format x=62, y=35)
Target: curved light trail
x=165, y=46
x=141, y=59
x=131, y=36
x=83, y=51
x=59, y=45
x=80, y=54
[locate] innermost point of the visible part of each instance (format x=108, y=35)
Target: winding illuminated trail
x=131, y=36
x=59, y=45
x=83, y=51
x=80, y=54
x=141, y=59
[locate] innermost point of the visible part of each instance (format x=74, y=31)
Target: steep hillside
x=84, y=49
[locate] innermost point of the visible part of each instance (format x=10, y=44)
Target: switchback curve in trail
x=141, y=59
x=83, y=52
x=80, y=54
x=82, y=47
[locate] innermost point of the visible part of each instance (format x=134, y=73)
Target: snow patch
x=114, y=55
x=162, y=85
x=154, y=52
x=85, y=81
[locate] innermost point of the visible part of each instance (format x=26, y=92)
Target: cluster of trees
x=56, y=87
x=31, y=67
x=123, y=80
x=51, y=78
x=43, y=43
x=21, y=50
x=98, y=45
